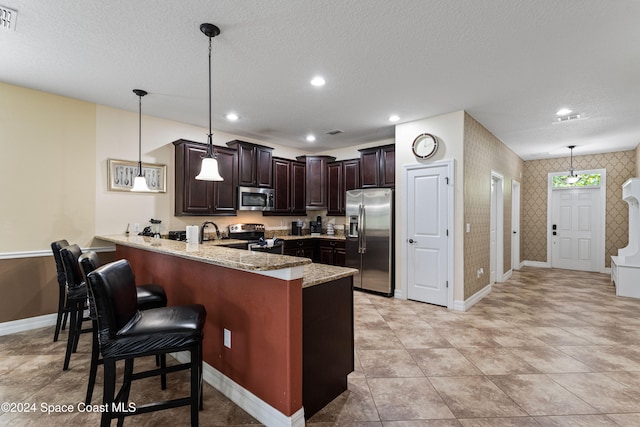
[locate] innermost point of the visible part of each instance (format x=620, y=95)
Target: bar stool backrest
x=55, y=248
x=70, y=255
x=114, y=292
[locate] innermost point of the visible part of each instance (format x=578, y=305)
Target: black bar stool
x=148, y=296
x=63, y=309
x=124, y=333
x=76, y=299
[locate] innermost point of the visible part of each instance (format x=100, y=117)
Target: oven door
x=255, y=199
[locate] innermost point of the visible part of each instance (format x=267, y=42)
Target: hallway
x=546, y=348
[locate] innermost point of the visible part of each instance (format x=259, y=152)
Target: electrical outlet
x=136, y=227
x=227, y=338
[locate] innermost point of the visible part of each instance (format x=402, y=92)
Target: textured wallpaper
x=484, y=153
x=620, y=166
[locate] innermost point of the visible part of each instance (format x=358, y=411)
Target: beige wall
x=449, y=129
x=620, y=166
x=47, y=169
x=484, y=154
x=637, y=151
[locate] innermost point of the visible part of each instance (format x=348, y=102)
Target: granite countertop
x=211, y=252
x=214, y=252
x=315, y=274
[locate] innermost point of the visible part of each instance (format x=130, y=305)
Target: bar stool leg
x=109, y=390
x=93, y=368
x=71, y=339
x=62, y=313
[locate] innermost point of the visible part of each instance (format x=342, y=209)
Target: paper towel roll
x=193, y=234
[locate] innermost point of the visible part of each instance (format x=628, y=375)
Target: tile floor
x=545, y=348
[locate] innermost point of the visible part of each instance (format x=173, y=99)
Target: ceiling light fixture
x=140, y=182
x=318, y=81
x=394, y=118
x=310, y=138
x=572, y=178
x=563, y=112
x=209, y=169
x=232, y=117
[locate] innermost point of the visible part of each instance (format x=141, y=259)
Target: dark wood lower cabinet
x=303, y=248
x=331, y=252
x=327, y=342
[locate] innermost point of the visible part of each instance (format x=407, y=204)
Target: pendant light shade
x=572, y=178
x=209, y=169
x=140, y=182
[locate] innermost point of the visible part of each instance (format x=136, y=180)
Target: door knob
x=412, y=241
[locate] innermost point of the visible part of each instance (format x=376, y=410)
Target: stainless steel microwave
x=255, y=199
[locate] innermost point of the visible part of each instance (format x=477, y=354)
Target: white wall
x=449, y=129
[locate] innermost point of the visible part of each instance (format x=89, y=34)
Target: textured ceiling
x=510, y=64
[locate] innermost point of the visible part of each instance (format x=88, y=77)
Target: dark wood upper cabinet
x=254, y=164
x=194, y=197
x=341, y=176
x=378, y=166
x=289, y=187
x=316, y=180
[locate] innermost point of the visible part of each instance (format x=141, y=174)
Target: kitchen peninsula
x=279, y=331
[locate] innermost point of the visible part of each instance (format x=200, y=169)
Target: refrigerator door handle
x=360, y=230
x=363, y=215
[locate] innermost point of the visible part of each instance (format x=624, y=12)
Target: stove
x=254, y=234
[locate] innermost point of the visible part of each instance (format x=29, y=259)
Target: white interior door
x=493, y=233
x=515, y=225
x=496, y=229
x=575, y=225
x=427, y=240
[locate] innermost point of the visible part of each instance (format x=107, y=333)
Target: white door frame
x=515, y=225
x=603, y=214
x=499, y=215
x=450, y=226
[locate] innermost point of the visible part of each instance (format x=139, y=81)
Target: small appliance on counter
x=316, y=226
x=296, y=228
x=152, y=230
x=179, y=235
x=330, y=229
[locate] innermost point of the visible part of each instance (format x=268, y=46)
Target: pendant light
x=572, y=178
x=209, y=168
x=140, y=182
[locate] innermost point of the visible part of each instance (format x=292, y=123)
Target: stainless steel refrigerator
x=370, y=239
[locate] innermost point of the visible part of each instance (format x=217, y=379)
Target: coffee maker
x=316, y=226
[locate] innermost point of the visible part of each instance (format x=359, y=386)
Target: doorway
x=515, y=225
x=428, y=232
x=576, y=222
x=496, y=230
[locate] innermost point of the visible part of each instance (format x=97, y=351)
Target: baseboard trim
x=242, y=397
x=21, y=325
x=472, y=300
x=537, y=264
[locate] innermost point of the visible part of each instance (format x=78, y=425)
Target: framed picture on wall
x=121, y=173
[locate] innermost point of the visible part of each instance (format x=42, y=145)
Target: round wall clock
x=424, y=146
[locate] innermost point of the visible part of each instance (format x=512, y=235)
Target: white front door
x=575, y=225
x=427, y=240
x=493, y=233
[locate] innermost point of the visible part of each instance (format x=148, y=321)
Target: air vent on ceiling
x=568, y=118
x=334, y=132
x=8, y=18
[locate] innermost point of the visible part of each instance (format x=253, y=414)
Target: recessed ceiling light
x=310, y=138
x=317, y=81
x=394, y=118
x=232, y=117
x=563, y=112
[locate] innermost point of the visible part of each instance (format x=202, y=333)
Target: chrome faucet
x=204, y=225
